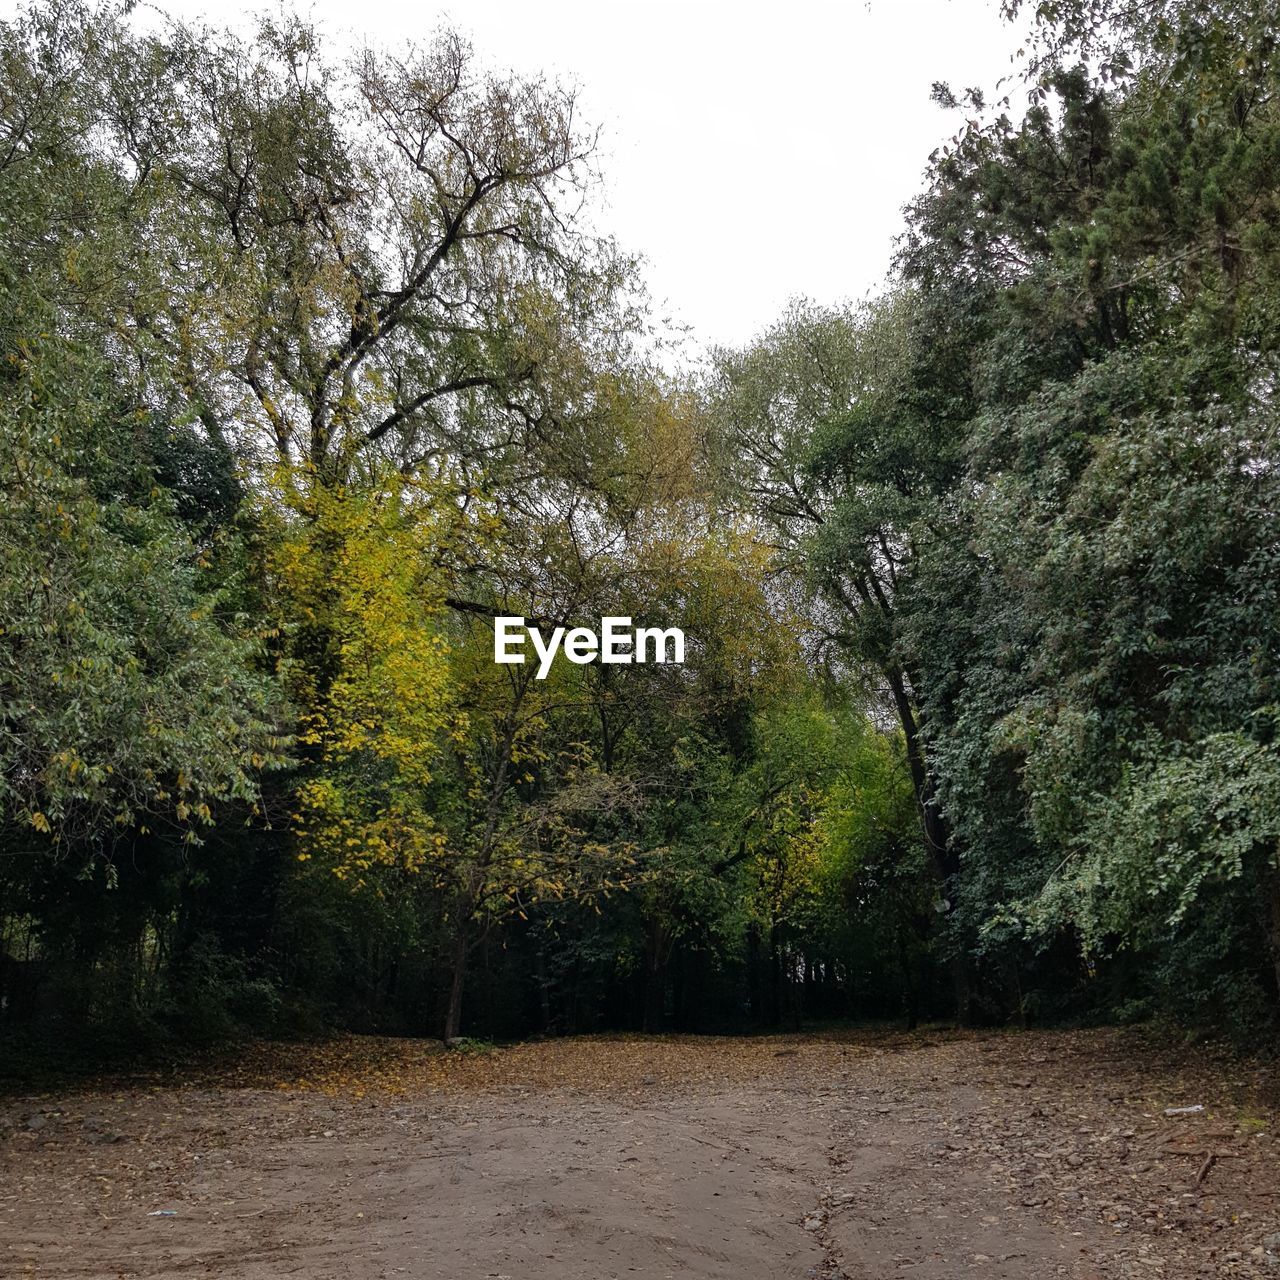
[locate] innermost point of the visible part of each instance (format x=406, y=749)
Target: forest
x=312, y=367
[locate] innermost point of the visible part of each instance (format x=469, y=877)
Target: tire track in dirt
x=865, y=1157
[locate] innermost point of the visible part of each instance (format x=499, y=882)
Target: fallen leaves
x=1069, y=1127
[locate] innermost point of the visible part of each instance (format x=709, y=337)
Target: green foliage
x=308, y=371
x=128, y=700
x=1095, y=622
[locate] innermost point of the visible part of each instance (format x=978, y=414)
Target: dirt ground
x=860, y=1155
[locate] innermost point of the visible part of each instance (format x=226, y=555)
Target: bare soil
x=861, y=1155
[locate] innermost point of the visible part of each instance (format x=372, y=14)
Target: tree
x=1092, y=621
x=133, y=691
x=128, y=700
x=348, y=267
x=845, y=460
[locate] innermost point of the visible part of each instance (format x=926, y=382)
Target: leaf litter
x=868, y=1152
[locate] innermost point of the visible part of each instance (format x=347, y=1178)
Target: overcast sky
x=750, y=152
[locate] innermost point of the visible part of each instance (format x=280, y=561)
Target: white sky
x=750, y=152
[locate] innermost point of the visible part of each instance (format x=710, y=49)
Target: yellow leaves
x=71, y=264
x=40, y=822
x=362, y=570
x=352, y=1066
x=353, y=832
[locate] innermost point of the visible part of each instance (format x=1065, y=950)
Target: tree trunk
x=960, y=986
x=1018, y=994
x=655, y=978
x=932, y=826
x=1273, y=932
x=775, y=973
x=942, y=858
x=457, y=981
x=910, y=1002
x=754, y=995
x=544, y=990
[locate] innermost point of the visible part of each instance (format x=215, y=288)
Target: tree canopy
x=312, y=368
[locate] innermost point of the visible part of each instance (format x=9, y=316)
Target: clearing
x=859, y=1155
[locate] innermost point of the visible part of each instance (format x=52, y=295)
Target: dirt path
x=1009, y=1157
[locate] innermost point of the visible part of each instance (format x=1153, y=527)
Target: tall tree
x=837, y=448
